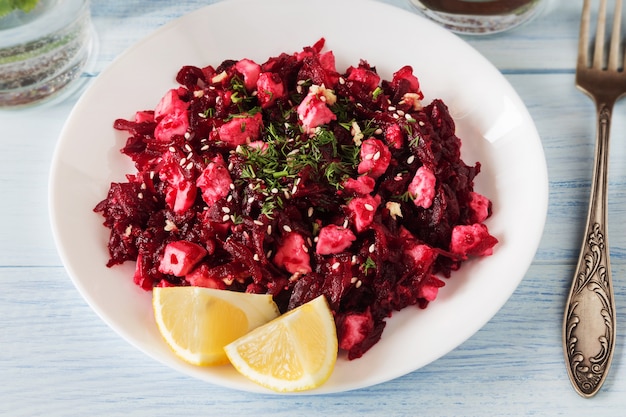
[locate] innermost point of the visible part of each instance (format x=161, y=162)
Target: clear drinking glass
x=476, y=17
x=44, y=46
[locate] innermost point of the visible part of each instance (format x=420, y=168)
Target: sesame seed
x=410, y=159
x=172, y=149
x=368, y=207
x=294, y=189
x=256, y=257
x=231, y=186
x=187, y=136
x=258, y=222
x=378, y=131
x=187, y=147
x=354, y=259
x=204, y=148
x=400, y=113
x=151, y=175
x=353, y=280
x=395, y=116
x=342, y=81
x=229, y=198
x=391, y=108
x=355, y=129
x=316, y=238
x=225, y=209
x=169, y=226
x=183, y=161
x=274, y=190
x=225, y=218
x=421, y=123
x=376, y=156
x=189, y=155
x=299, y=89
x=310, y=211
x=309, y=241
x=286, y=228
x=268, y=254
x=250, y=200
x=232, y=218
x=345, y=224
x=189, y=165
x=336, y=265
x=369, y=156
x=143, y=186
x=300, y=82
x=305, y=249
x=372, y=248
x=140, y=196
x=358, y=284
x=269, y=229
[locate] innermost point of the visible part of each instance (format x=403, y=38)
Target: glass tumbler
x=476, y=17
x=44, y=46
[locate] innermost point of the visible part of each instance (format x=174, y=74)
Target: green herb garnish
x=369, y=264
x=276, y=167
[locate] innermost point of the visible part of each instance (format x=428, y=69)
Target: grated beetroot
x=293, y=179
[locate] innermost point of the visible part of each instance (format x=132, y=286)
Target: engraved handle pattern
x=589, y=322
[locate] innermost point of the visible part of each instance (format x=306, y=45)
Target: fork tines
x=599, y=60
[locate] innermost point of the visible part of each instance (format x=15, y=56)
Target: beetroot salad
x=294, y=179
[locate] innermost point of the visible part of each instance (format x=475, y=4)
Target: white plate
x=493, y=123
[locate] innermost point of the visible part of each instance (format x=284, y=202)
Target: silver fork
x=589, y=319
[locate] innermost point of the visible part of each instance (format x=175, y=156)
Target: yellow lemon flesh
x=294, y=352
x=198, y=322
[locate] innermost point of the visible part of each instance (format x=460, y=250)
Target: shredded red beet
x=293, y=179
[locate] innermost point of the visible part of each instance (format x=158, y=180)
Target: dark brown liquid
x=484, y=8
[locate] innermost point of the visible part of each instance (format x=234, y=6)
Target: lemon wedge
x=294, y=352
x=198, y=322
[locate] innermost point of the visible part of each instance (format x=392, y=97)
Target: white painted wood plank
x=55, y=347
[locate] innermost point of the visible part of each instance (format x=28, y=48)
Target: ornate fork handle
x=589, y=330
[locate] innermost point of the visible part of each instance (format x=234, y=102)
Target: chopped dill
x=368, y=265
x=286, y=152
